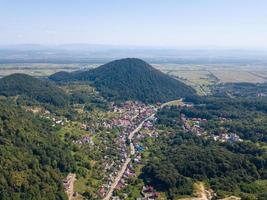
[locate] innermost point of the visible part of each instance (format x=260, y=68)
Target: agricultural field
x=40, y=69
x=237, y=76
x=196, y=76
x=209, y=74
x=201, y=77
x=262, y=74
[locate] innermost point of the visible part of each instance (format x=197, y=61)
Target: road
x=117, y=179
x=127, y=161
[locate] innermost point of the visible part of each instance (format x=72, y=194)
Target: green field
x=201, y=77
x=40, y=69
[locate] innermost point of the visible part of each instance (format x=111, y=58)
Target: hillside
x=33, y=159
x=229, y=168
x=130, y=78
x=33, y=88
x=250, y=90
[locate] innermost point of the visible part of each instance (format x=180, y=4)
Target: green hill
x=130, y=79
x=33, y=88
x=33, y=160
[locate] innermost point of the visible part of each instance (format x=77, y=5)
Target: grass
x=73, y=129
x=178, y=102
x=200, y=80
x=40, y=69
x=87, y=183
x=80, y=185
x=200, y=77
x=134, y=191
x=235, y=76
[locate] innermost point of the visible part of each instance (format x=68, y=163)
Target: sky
x=169, y=23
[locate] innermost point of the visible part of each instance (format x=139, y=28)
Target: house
x=234, y=138
x=102, y=191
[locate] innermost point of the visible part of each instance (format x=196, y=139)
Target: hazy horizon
x=86, y=46
x=230, y=24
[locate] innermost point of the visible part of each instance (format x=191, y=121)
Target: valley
x=126, y=140
x=133, y=100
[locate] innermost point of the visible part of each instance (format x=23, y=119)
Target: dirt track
x=201, y=193
x=70, y=190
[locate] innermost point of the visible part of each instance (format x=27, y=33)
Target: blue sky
x=172, y=23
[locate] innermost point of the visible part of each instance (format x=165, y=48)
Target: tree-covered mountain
x=33, y=88
x=33, y=159
x=130, y=78
x=179, y=159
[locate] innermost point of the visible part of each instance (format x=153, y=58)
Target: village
x=133, y=116
x=145, y=129
x=194, y=125
x=134, y=121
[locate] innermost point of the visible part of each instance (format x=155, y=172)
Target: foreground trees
x=181, y=158
x=33, y=160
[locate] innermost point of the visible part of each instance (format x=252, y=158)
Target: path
x=201, y=193
x=69, y=185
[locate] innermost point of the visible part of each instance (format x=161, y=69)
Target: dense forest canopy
x=241, y=89
x=33, y=88
x=179, y=159
x=130, y=79
x=33, y=159
x=246, y=117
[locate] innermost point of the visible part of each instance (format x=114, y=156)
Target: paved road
x=124, y=167
x=117, y=179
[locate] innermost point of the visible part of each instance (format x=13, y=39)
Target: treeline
x=177, y=161
x=245, y=117
x=247, y=90
x=33, y=160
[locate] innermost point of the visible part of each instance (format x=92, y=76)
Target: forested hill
x=130, y=78
x=33, y=88
x=247, y=90
x=33, y=160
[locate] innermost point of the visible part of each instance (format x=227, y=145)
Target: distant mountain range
x=94, y=53
x=129, y=78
